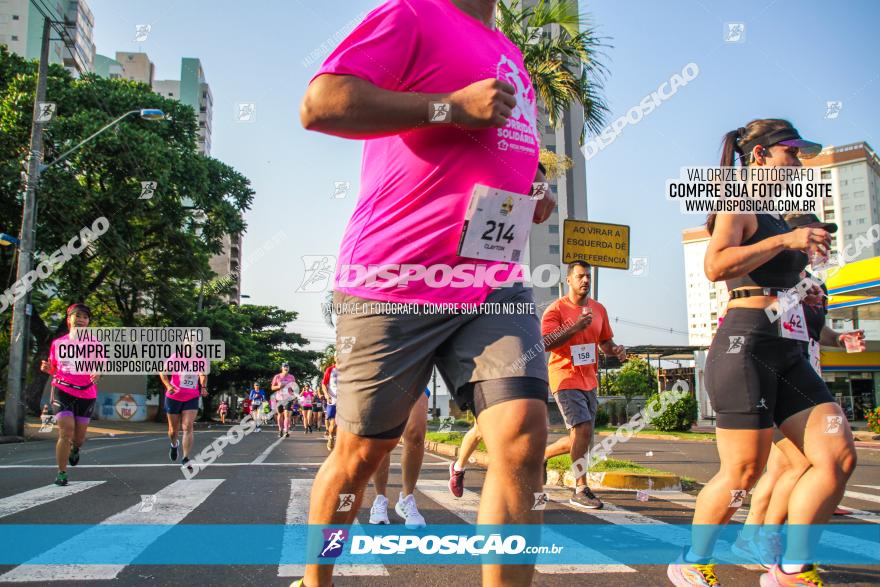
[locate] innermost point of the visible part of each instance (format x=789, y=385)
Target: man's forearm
x=350, y=107
x=552, y=341
x=607, y=346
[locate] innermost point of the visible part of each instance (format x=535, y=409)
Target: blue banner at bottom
x=462, y=544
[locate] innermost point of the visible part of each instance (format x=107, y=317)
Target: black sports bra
x=783, y=270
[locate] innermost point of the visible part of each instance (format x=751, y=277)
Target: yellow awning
x=854, y=291
x=842, y=361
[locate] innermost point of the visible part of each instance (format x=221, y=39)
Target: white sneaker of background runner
x=379, y=511
x=406, y=508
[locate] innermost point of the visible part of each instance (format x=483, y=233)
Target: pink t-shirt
x=305, y=399
x=416, y=186
x=286, y=382
x=185, y=385
x=63, y=361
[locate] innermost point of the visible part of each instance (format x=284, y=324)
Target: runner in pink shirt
x=73, y=392
x=284, y=386
x=306, y=399
x=448, y=116
x=182, y=391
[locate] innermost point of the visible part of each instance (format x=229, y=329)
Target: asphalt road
x=254, y=482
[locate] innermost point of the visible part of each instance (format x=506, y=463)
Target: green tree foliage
x=635, y=378
x=257, y=342
x=677, y=417
x=327, y=358
x=564, y=69
x=143, y=271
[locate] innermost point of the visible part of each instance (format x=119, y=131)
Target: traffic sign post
x=598, y=243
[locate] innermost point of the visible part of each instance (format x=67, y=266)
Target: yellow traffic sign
x=598, y=243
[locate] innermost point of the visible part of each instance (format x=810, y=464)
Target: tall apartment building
x=136, y=67
x=191, y=89
x=705, y=300
x=570, y=190
x=21, y=29
x=196, y=92
x=854, y=170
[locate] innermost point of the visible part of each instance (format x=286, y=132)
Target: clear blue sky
x=797, y=55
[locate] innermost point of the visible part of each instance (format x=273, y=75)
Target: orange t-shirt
x=564, y=374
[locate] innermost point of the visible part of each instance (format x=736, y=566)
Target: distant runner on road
x=73, y=394
x=182, y=391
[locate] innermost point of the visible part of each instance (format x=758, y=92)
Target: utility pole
x=434, y=394
x=13, y=420
x=594, y=282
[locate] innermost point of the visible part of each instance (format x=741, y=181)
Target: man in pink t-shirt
x=182, y=391
x=448, y=114
x=73, y=391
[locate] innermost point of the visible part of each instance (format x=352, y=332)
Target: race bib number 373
x=497, y=224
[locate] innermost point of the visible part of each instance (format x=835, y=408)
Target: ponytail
x=729, y=149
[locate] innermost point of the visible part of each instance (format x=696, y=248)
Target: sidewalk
x=98, y=428
x=863, y=438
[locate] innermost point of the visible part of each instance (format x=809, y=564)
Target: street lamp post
x=13, y=418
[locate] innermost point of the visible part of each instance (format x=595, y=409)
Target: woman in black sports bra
x=757, y=375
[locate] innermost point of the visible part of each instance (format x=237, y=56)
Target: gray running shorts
x=577, y=406
x=385, y=357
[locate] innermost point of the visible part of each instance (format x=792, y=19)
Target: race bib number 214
x=497, y=224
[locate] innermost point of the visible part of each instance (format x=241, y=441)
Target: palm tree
x=565, y=68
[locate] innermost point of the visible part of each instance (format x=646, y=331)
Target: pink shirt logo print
x=521, y=132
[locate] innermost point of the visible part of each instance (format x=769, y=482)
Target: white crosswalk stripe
x=833, y=539
x=181, y=498
x=862, y=496
x=466, y=506
x=172, y=504
x=862, y=515
x=42, y=495
x=298, y=514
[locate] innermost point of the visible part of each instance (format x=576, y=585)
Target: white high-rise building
x=21, y=29
x=854, y=170
x=705, y=300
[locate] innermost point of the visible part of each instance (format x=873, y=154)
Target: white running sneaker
x=406, y=508
x=379, y=511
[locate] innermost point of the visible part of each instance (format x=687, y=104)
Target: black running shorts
x=755, y=378
x=67, y=405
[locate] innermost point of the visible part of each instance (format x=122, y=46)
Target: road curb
x=618, y=480
x=606, y=480
x=11, y=439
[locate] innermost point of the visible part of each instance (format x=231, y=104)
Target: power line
x=648, y=326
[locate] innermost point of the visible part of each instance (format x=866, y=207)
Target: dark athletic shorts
x=755, y=378
x=173, y=406
x=385, y=358
x=67, y=405
x=280, y=408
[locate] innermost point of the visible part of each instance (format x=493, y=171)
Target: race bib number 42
x=583, y=354
x=793, y=324
x=497, y=224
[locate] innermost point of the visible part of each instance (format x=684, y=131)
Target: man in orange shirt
x=573, y=328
